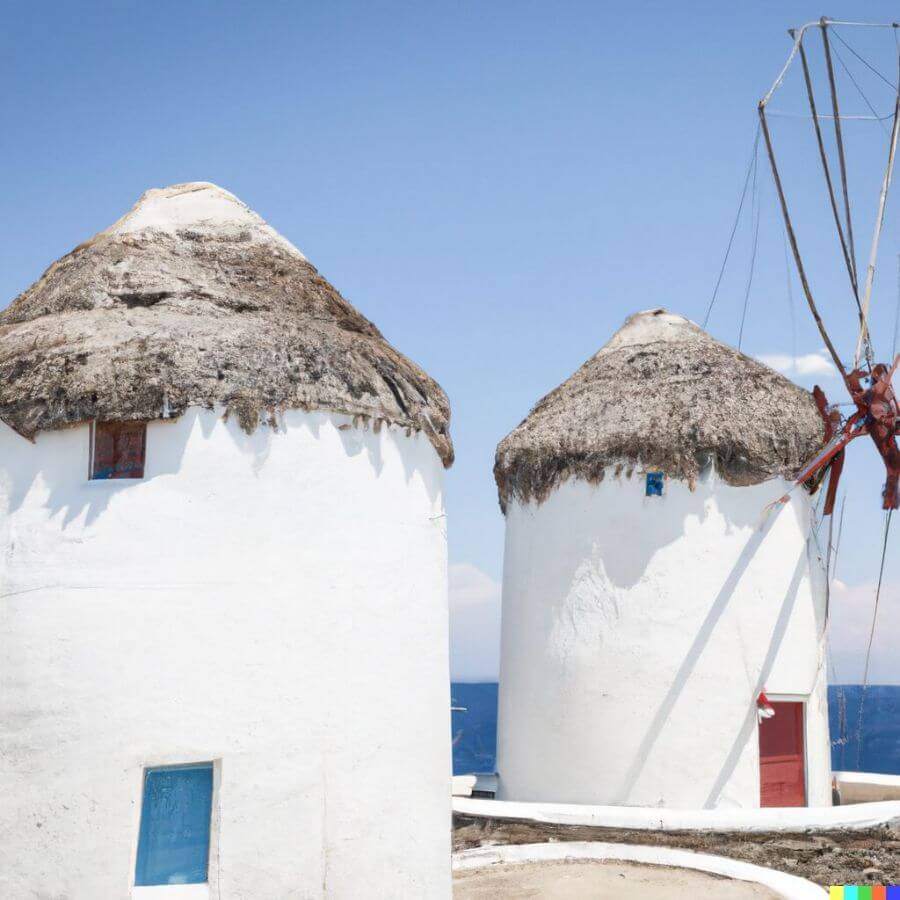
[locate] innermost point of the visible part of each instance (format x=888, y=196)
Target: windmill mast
x=868, y=383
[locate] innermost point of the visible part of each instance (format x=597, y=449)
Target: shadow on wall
x=606, y=524
x=369, y=437
x=61, y=459
x=355, y=439
x=680, y=679
x=748, y=728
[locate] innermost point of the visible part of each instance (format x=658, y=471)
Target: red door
x=782, y=781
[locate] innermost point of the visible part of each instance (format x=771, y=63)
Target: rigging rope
x=751, y=165
x=790, y=296
x=866, y=63
x=897, y=313
x=828, y=568
x=849, y=74
x=755, y=205
x=792, y=237
x=775, y=114
x=831, y=573
x=831, y=559
x=842, y=724
x=865, y=684
x=837, y=545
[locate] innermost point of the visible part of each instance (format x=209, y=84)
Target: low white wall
x=637, y=633
x=867, y=787
x=275, y=602
x=855, y=817
x=462, y=785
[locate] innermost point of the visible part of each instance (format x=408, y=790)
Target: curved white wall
x=637, y=633
x=275, y=602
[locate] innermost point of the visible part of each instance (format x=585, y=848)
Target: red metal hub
x=877, y=414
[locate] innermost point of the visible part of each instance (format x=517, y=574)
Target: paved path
x=587, y=880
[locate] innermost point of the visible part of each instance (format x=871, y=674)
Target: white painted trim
x=172, y=892
x=798, y=818
x=215, y=827
x=787, y=886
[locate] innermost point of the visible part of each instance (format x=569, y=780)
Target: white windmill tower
x=223, y=628
x=648, y=619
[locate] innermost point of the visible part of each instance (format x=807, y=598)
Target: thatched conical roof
x=661, y=395
x=191, y=299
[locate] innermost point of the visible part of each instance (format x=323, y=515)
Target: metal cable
x=828, y=556
x=775, y=114
x=754, y=204
x=750, y=167
x=792, y=237
x=865, y=684
x=897, y=313
x=849, y=74
x=865, y=62
x=837, y=545
x=841, y=697
x=790, y=296
x=831, y=560
x=842, y=723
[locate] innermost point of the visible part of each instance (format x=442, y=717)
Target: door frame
x=803, y=700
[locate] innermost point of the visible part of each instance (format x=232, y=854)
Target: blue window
x=654, y=487
x=173, y=846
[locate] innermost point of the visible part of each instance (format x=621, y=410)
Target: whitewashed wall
x=637, y=633
x=275, y=602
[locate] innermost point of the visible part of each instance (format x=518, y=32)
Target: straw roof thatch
x=191, y=299
x=661, y=395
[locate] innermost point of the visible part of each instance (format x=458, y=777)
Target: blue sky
x=496, y=185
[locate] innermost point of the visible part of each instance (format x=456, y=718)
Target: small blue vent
x=173, y=846
x=654, y=486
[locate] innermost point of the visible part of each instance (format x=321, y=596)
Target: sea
x=475, y=728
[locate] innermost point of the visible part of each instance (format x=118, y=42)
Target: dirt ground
x=834, y=857
x=583, y=879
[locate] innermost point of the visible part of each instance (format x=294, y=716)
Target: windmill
x=869, y=383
